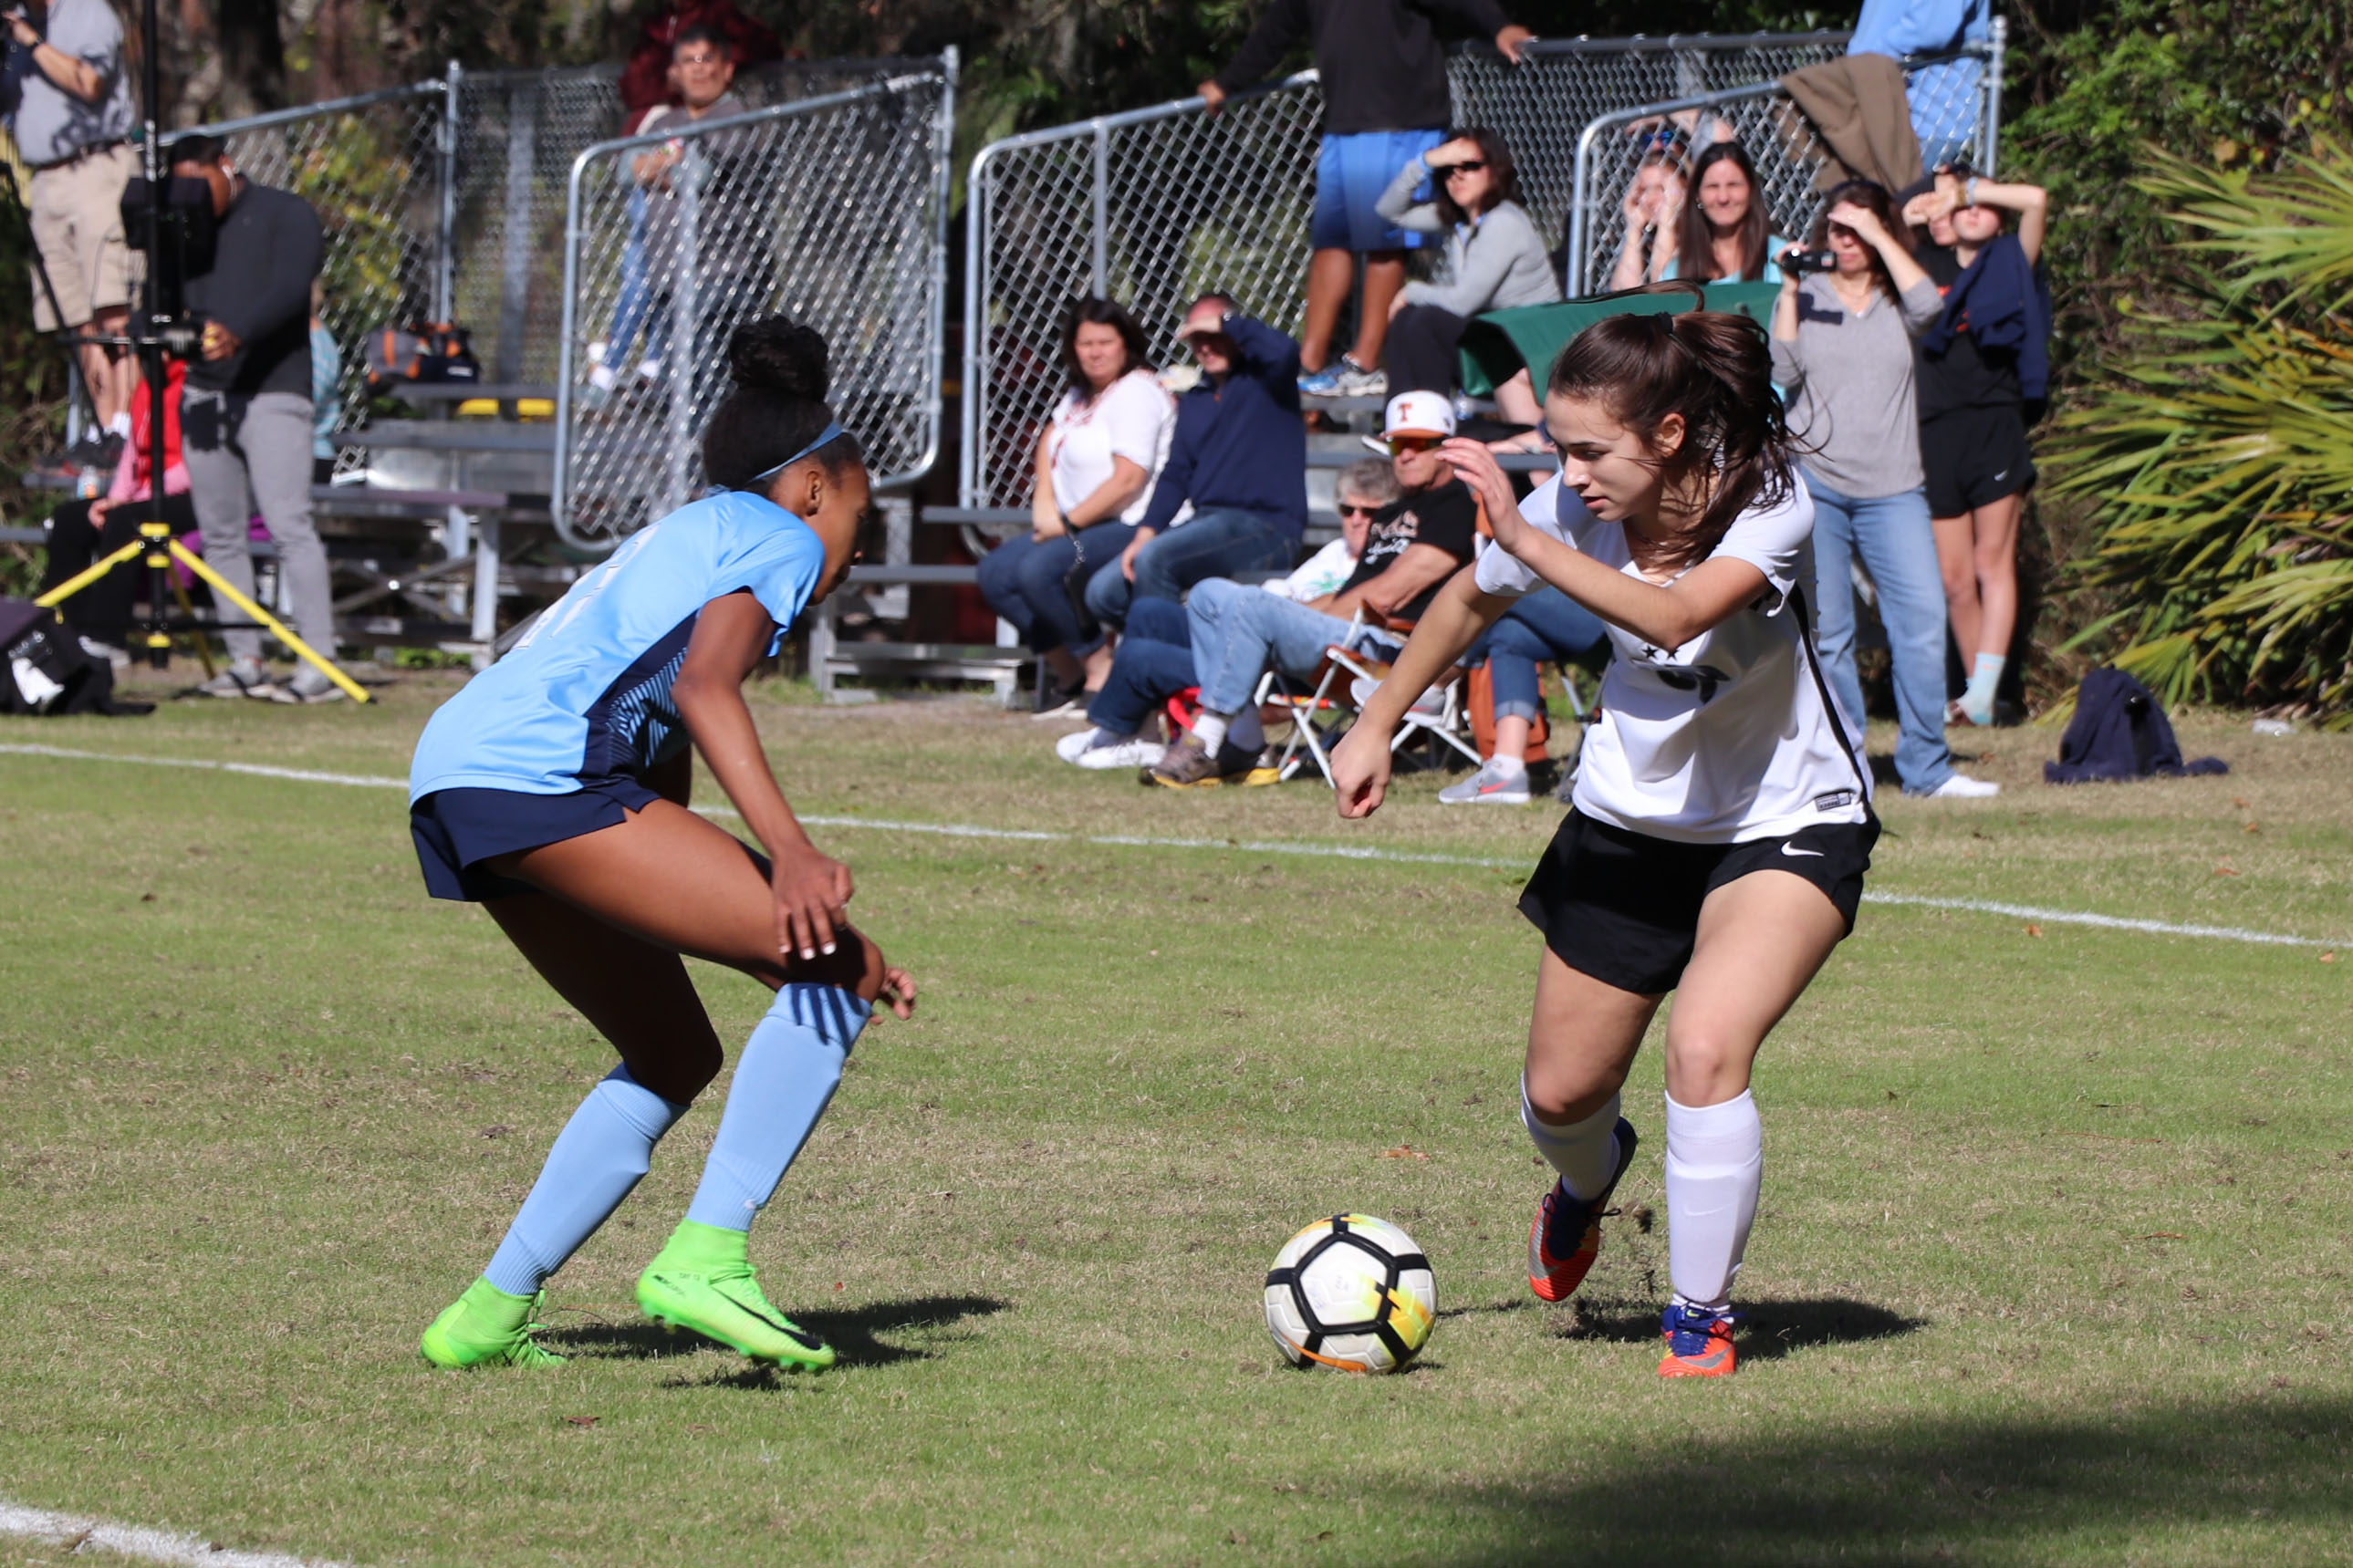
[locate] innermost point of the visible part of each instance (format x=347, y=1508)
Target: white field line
x=1239, y=846
x=132, y=1540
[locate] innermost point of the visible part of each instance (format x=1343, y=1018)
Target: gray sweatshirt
x=1492, y=264
x=1851, y=381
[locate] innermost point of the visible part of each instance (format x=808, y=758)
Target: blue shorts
x=1351, y=172
x=456, y=829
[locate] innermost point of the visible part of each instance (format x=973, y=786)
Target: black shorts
x=1974, y=457
x=456, y=829
x=1624, y=907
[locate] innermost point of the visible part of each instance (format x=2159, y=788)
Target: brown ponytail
x=1715, y=369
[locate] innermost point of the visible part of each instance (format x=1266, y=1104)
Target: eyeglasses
x=1345, y=510
x=1413, y=443
x=1468, y=166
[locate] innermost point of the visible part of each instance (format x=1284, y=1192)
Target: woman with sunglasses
x=1722, y=820
x=1494, y=258
x=553, y=791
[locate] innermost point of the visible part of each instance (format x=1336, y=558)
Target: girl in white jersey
x=1722, y=820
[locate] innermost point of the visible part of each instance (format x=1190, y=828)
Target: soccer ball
x=1352, y=1292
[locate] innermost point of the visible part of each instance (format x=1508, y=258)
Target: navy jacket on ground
x=1241, y=445
x=2007, y=305
x=2120, y=733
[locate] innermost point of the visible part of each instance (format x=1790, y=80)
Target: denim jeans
x=1239, y=631
x=1027, y=583
x=1152, y=662
x=1546, y=627
x=1216, y=544
x=637, y=305
x=1898, y=547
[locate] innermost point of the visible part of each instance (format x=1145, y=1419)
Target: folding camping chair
x=1319, y=714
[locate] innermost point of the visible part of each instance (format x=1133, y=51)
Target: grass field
x=2050, y=1269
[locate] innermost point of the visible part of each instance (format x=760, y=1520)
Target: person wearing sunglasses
x=1494, y=258
x=1412, y=547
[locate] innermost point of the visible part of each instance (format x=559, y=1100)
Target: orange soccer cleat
x=1699, y=1343
x=1566, y=1235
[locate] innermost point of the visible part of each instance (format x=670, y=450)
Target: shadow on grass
x=1768, y=1330
x=1972, y=1488
x=852, y=1334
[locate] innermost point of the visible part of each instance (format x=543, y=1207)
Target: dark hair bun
x=779, y=355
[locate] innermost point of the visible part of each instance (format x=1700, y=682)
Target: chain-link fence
x=832, y=210
x=373, y=167
x=516, y=134
x=1956, y=110
x=1151, y=207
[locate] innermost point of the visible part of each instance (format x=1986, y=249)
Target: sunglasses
x=1345, y=510
x=1414, y=443
x=1468, y=166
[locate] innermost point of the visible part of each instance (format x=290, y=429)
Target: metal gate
x=1151, y=207
x=832, y=210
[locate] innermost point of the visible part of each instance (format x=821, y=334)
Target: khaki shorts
x=77, y=211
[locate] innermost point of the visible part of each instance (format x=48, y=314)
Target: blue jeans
x=1546, y=627
x=1241, y=631
x=1899, y=549
x=637, y=305
x=1216, y=544
x=1028, y=583
x=1152, y=662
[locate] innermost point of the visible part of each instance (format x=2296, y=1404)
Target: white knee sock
x=1584, y=1152
x=1715, y=1165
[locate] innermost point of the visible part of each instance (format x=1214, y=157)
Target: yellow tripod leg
x=81, y=580
x=220, y=586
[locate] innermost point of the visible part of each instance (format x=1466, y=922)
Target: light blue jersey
x=587, y=692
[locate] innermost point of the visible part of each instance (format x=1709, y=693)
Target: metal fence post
x=1102, y=211
x=686, y=327
x=943, y=192
x=971, y=380
x=445, y=261
x=1989, y=129
x=514, y=274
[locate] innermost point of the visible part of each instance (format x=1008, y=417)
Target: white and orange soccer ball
x=1352, y=1292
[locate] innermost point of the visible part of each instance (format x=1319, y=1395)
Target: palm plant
x=2218, y=449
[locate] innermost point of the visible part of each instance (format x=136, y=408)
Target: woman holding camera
x=1842, y=346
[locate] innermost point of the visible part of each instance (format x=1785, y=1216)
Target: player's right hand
x=1360, y=771
x=810, y=890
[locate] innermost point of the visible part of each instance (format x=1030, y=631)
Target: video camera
x=186, y=231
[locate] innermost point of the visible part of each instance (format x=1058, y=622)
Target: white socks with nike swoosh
x=1715, y=1167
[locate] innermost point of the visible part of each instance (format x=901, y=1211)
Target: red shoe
x=1699, y=1343
x=1567, y=1236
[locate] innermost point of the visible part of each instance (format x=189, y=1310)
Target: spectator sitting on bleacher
x=81, y=531
x=1546, y=627
x=1239, y=459
x=1415, y=545
x=1723, y=236
x=1096, y=458
x=1495, y=260
x=1154, y=661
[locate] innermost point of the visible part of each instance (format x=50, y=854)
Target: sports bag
x=2120, y=733
x=421, y=351
x=43, y=669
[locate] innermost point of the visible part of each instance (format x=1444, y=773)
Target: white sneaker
x=1135, y=752
x=1070, y=746
x=1428, y=705
x=1960, y=786
x=1488, y=786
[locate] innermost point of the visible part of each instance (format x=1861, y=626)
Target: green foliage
x=2217, y=446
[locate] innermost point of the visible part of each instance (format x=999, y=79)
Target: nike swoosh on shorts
x=1793, y=849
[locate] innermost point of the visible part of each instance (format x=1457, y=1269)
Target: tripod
x=160, y=328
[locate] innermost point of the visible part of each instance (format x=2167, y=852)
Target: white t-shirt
x=1728, y=738
x=1325, y=571
x=1133, y=419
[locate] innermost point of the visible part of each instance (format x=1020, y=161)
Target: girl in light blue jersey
x=552, y=790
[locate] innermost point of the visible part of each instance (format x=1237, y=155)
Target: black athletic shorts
x=1974, y=457
x=1624, y=907
x=456, y=830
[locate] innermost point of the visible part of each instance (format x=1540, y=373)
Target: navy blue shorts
x=456, y=829
x=1351, y=172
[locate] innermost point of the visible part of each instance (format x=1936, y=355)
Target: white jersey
x=1730, y=737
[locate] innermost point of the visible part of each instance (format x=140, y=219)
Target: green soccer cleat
x=703, y=1281
x=487, y=1327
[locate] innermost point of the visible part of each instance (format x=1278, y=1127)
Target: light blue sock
x=784, y=1080
x=600, y=1154
x=1977, y=699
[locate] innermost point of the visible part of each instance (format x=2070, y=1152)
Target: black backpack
x=43, y=669
x=2120, y=733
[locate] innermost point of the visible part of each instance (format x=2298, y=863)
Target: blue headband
x=823, y=437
